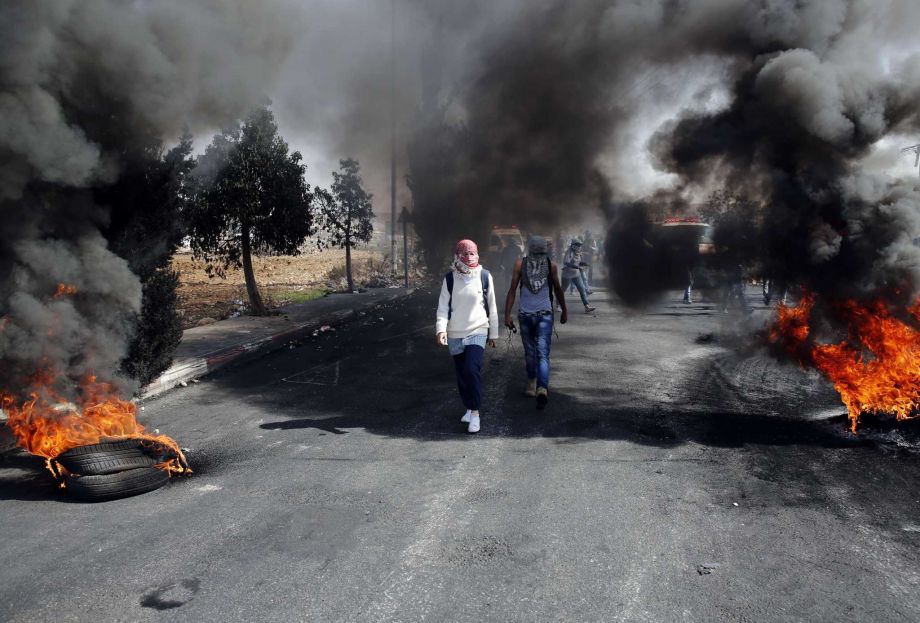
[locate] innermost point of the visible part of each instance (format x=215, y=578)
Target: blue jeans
x=579, y=285
x=537, y=337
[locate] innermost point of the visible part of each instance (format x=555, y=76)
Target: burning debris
x=48, y=426
x=53, y=402
x=810, y=91
x=76, y=439
x=876, y=369
x=89, y=91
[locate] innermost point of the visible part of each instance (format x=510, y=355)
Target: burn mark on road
x=172, y=595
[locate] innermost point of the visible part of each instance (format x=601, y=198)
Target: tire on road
x=106, y=458
x=113, y=486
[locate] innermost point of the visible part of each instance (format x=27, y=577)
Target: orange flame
x=876, y=370
x=47, y=423
x=64, y=289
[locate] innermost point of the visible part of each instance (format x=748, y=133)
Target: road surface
x=678, y=474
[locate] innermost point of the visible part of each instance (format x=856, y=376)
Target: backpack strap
x=484, y=274
x=449, y=278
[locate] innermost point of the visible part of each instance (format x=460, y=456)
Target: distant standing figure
x=589, y=255
x=467, y=320
x=510, y=254
x=571, y=272
x=538, y=278
x=773, y=288
x=688, y=291
x=733, y=289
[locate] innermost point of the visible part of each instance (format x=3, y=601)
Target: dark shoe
x=589, y=309
x=531, y=388
x=542, y=397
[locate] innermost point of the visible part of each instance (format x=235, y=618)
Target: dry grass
x=281, y=280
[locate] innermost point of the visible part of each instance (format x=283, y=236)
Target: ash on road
x=334, y=483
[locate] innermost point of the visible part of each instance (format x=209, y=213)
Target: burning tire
x=119, y=485
x=106, y=458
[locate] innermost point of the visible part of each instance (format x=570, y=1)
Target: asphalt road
x=677, y=474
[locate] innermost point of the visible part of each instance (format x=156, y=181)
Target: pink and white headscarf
x=466, y=257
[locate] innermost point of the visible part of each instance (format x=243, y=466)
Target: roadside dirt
x=282, y=280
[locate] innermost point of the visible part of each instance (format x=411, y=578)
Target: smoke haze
x=537, y=112
x=81, y=83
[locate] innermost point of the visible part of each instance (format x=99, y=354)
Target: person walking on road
x=467, y=320
x=538, y=278
x=571, y=272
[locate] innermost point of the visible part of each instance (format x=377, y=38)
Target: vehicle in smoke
x=500, y=233
x=496, y=242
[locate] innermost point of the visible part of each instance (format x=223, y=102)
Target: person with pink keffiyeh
x=467, y=320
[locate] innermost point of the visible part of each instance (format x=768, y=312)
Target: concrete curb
x=189, y=368
x=185, y=370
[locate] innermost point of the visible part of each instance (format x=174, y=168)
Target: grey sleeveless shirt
x=533, y=303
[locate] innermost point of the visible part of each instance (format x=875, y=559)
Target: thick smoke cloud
x=550, y=93
x=79, y=334
x=535, y=109
x=809, y=97
x=82, y=82
x=520, y=111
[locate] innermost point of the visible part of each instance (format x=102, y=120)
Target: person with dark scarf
x=572, y=266
x=536, y=275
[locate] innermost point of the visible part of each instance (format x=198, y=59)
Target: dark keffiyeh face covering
x=535, y=268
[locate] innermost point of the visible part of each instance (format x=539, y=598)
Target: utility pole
x=393, y=137
x=405, y=217
x=915, y=149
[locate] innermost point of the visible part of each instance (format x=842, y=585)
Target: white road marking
x=303, y=377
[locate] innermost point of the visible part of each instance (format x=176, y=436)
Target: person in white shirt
x=467, y=320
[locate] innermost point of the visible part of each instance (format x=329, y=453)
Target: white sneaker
x=466, y=417
x=474, y=423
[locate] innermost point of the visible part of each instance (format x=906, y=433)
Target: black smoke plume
x=529, y=123
x=552, y=90
x=87, y=87
x=808, y=99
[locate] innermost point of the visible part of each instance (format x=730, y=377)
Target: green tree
x=250, y=199
x=346, y=212
x=145, y=205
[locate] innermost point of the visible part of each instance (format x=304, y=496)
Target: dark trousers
x=468, y=365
